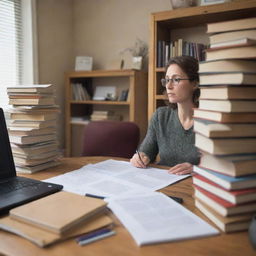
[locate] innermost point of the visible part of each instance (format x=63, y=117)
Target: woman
x=170, y=133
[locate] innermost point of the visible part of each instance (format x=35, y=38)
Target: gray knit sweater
x=167, y=137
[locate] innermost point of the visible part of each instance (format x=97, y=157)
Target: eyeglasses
x=175, y=81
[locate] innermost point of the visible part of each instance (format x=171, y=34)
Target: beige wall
x=97, y=28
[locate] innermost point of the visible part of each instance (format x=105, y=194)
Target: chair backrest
x=110, y=138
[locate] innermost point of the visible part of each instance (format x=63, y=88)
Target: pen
x=140, y=157
x=92, y=239
x=94, y=196
x=92, y=234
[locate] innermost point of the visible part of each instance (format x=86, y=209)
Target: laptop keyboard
x=16, y=184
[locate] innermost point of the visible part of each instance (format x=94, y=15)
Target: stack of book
x=225, y=126
x=32, y=127
x=98, y=115
x=47, y=225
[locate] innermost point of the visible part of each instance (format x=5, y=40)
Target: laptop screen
x=7, y=167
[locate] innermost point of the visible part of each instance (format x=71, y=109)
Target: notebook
x=16, y=190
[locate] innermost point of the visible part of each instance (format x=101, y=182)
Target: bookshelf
x=188, y=24
x=133, y=109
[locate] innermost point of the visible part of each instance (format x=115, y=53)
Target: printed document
x=113, y=178
x=154, y=217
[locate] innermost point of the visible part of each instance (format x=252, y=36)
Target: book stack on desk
x=32, y=127
x=57, y=217
x=225, y=126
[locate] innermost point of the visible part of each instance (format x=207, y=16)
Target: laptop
x=16, y=190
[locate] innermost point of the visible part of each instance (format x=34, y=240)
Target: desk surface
x=122, y=243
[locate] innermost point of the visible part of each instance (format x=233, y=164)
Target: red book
x=222, y=206
x=234, y=196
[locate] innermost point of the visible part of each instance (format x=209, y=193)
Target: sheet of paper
x=154, y=218
x=112, y=178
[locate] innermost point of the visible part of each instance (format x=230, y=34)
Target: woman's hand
x=140, y=161
x=181, y=169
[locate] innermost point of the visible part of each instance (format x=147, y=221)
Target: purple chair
x=110, y=138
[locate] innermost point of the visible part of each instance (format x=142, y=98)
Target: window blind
x=10, y=46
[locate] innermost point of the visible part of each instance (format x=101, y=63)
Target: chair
x=110, y=138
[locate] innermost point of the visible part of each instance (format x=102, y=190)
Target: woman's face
x=178, y=92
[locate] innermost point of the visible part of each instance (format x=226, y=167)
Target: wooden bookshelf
x=133, y=109
x=189, y=24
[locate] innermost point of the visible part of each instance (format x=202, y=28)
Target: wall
x=97, y=28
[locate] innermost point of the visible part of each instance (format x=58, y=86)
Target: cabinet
x=189, y=24
x=133, y=109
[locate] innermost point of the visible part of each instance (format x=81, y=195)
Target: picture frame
x=83, y=63
x=208, y=2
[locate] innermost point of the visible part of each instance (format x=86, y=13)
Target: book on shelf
x=243, y=52
x=38, y=148
x=32, y=124
x=27, y=131
x=123, y=95
x=51, y=218
x=228, y=92
x=233, y=43
x=226, y=224
x=232, y=196
x=232, y=165
x=32, y=139
x=228, y=105
x=221, y=206
x=36, y=168
x=218, y=116
x=80, y=92
x=233, y=35
x=225, y=146
x=33, y=117
x=225, y=66
x=231, y=25
x=34, y=88
x=45, y=238
x=237, y=78
x=39, y=101
x=225, y=181
x=213, y=129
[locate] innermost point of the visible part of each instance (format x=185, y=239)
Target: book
x=213, y=129
x=33, y=117
x=231, y=25
x=232, y=165
x=77, y=209
x=237, y=78
x=225, y=146
x=32, y=124
x=40, y=101
x=45, y=238
x=27, y=131
x=228, y=105
x=223, y=66
x=233, y=43
x=228, y=92
x=22, y=162
x=233, y=35
x=233, y=196
x=35, y=149
x=225, y=117
x=31, y=139
x=225, y=181
x=222, y=206
x=243, y=52
x=35, y=88
x=37, y=168
x=226, y=224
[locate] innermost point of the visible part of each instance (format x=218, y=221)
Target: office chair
x=110, y=138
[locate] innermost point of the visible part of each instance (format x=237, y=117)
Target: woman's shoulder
x=163, y=113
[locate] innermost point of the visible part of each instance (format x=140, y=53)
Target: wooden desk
x=122, y=244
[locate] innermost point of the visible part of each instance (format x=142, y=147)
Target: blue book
x=92, y=234
x=227, y=182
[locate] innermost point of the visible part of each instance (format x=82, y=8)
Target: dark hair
x=189, y=65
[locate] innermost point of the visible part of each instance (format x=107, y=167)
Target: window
x=17, y=41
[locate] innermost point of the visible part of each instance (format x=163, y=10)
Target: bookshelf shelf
x=188, y=24
x=134, y=109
